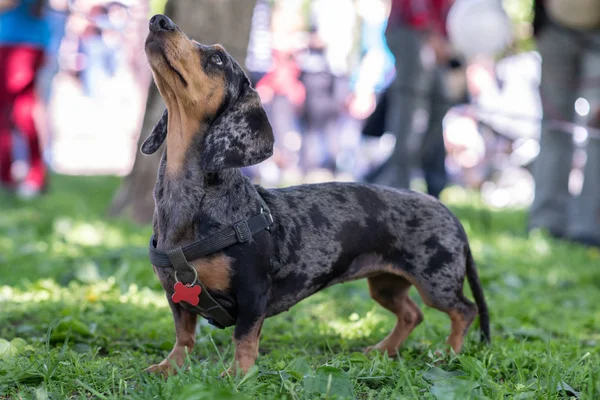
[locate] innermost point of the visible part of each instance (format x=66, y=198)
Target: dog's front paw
x=392, y=352
x=172, y=364
x=164, y=368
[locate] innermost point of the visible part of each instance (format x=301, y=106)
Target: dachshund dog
x=321, y=234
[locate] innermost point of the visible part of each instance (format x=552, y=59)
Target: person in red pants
x=24, y=34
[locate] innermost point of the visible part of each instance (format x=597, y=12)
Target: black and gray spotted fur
x=323, y=233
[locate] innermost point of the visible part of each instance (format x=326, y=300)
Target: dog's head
x=209, y=93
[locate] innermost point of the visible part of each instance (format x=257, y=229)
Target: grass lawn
x=82, y=314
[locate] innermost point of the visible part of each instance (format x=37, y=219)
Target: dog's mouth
x=181, y=78
x=155, y=45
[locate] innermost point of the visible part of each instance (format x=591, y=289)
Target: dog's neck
x=192, y=204
x=181, y=133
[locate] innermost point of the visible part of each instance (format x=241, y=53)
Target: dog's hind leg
x=452, y=301
x=391, y=291
x=462, y=315
x=185, y=338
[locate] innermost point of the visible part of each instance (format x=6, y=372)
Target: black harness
x=179, y=259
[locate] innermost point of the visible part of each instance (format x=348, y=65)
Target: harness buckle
x=242, y=231
x=269, y=217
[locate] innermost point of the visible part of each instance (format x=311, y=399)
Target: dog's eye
x=216, y=59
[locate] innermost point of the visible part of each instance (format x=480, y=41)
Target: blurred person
x=326, y=67
x=320, y=110
x=57, y=12
x=283, y=94
x=258, y=59
x=568, y=39
x=370, y=80
x=416, y=35
x=376, y=69
x=280, y=88
x=99, y=58
x=24, y=36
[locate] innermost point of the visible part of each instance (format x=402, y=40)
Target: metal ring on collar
x=195, y=277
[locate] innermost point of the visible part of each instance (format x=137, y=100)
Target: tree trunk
x=208, y=21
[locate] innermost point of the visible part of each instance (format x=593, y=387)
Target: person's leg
x=584, y=224
x=5, y=123
x=551, y=169
x=433, y=150
x=316, y=116
x=29, y=61
x=403, y=93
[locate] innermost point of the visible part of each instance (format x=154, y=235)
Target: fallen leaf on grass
x=437, y=374
x=333, y=382
x=449, y=385
x=298, y=368
x=12, y=348
x=453, y=389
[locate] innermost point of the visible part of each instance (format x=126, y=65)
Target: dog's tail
x=475, y=284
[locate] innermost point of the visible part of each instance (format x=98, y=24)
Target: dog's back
x=332, y=232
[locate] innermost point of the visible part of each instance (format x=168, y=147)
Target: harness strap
x=208, y=307
x=183, y=270
x=239, y=232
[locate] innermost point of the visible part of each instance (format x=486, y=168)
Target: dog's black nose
x=161, y=23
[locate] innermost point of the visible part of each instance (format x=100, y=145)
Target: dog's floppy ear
x=157, y=137
x=241, y=136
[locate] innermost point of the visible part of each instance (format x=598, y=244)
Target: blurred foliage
x=158, y=6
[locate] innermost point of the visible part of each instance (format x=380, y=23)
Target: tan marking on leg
x=409, y=316
x=391, y=291
x=246, y=350
x=214, y=272
x=460, y=325
x=185, y=338
x=461, y=320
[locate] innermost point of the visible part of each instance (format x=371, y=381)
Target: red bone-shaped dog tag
x=189, y=294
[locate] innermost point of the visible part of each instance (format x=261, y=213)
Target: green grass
x=81, y=316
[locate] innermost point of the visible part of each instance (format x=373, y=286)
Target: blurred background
x=427, y=94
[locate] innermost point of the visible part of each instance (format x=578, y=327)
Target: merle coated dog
x=322, y=234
